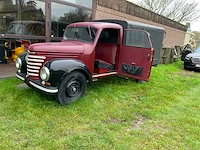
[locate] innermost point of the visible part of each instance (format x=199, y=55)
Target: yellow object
x=18, y=51
x=6, y=44
x=14, y=57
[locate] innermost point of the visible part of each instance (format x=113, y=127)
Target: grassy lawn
x=115, y=113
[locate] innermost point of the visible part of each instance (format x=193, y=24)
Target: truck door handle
x=150, y=57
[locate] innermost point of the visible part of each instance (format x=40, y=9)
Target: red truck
x=88, y=51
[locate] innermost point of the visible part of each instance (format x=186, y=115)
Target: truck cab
x=88, y=51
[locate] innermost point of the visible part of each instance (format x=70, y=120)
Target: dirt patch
x=115, y=121
x=137, y=124
x=187, y=73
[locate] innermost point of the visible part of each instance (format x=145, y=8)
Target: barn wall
x=121, y=9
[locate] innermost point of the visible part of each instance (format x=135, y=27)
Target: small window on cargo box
x=136, y=38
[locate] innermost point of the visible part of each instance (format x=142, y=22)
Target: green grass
x=115, y=113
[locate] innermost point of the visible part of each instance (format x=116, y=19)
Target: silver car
x=192, y=60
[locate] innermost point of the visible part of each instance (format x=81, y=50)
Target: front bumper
x=37, y=84
x=189, y=65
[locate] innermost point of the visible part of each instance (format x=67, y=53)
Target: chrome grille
x=196, y=60
x=34, y=63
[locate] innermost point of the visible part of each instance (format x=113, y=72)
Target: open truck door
x=136, y=55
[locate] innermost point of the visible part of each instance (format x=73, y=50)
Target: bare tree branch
x=177, y=10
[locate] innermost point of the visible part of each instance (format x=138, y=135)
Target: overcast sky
x=195, y=25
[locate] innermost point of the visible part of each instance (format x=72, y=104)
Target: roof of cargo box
x=131, y=24
x=99, y=24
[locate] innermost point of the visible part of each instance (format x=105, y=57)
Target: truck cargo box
x=157, y=34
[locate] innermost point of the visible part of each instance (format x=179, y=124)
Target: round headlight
x=18, y=63
x=44, y=74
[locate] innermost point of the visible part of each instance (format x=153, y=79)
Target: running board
x=104, y=75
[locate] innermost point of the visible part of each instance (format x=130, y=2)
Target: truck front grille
x=34, y=63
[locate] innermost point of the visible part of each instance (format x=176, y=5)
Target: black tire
x=140, y=81
x=72, y=88
x=188, y=68
x=185, y=68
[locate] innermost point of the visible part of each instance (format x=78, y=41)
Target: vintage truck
x=88, y=51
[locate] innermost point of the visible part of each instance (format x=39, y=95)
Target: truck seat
x=105, y=56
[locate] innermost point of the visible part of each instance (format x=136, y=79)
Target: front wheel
x=72, y=88
x=186, y=68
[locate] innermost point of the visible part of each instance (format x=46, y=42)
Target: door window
x=136, y=38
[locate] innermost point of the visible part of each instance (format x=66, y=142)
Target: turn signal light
x=47, y=83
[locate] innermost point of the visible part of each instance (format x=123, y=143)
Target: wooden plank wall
x=170, y=55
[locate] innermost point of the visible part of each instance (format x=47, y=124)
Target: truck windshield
x=86, y=34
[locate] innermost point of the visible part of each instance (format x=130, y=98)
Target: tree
x=6, y=5
x=74, y=16
x=177, y=10
x=21, y=3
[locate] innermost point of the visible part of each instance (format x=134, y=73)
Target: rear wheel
x=72, y=88
x=140, y=81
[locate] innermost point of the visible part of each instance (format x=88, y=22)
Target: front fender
x=24, y=64
x=62, y=67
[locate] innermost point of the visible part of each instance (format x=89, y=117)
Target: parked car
x=32, y=28
x=36, y=28
x=88, y=51
x=192, y=60
x=27, y=28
